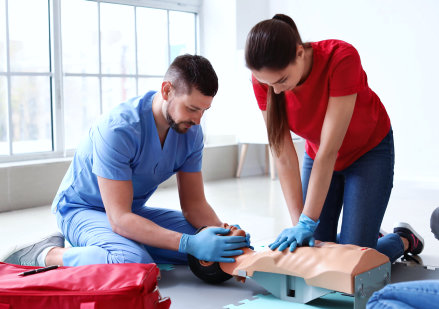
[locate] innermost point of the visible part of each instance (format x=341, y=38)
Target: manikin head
x=188, y=89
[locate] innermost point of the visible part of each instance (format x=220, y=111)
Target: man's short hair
x=187, y=71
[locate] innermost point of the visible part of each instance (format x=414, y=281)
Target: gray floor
x=256, y=204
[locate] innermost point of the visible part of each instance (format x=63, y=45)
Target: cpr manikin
x=326, y=265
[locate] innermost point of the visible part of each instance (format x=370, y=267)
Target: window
x=25, y=110
x=3, y=82
x=79, y=59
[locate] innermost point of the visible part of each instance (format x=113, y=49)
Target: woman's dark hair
x=187, y=71
x=272, y=44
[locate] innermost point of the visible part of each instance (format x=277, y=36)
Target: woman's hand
x=299, y=235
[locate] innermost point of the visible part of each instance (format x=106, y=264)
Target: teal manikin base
x=295, y=289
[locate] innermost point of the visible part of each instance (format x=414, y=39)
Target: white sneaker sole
x=383, y=232
x=409, y=227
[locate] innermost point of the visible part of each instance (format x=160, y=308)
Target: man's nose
x=197, y=118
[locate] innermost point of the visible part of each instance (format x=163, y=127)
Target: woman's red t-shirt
x=336, y=71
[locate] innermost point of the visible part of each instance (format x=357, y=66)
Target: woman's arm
x=337, y=119
x=288, y=170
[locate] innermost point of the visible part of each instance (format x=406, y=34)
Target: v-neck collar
x=170, y=135
x=168, y=139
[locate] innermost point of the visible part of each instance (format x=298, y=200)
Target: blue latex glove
x=299, y=235
x=208, y=246
x=247, y=236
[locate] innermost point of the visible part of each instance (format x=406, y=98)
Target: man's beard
x=177, y=127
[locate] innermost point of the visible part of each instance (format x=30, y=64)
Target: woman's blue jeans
x=362, y=190
x=406, y=295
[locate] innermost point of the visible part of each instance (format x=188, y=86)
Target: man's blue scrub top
x=124, y=145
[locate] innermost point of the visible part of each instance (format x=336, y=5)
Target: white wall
x=223, y=27
x=234, y=113
x=218, y=37
x=398, y=45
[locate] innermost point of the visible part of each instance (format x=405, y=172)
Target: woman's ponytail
x=272, y=44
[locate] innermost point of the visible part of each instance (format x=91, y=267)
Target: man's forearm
x=139, y=229
x=202, y=216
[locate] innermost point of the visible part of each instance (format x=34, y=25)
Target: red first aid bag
x=83, y=287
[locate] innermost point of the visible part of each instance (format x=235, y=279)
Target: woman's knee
x=434, y=223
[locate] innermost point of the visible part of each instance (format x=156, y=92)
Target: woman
x=319, y=91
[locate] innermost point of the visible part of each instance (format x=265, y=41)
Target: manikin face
x=284, y=79
x=185, y=110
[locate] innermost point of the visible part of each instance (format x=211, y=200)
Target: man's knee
x=137, y=256
x=77, y=256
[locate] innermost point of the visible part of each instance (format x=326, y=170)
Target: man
x=100, y=205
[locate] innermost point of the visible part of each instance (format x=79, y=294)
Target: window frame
x=57, y=75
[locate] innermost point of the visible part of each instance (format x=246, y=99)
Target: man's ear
x=166, y=89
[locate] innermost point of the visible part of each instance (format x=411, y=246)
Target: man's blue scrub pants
x=94, y=242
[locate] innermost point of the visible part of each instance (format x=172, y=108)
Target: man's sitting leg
x=94, y=242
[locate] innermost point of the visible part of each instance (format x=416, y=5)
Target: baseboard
x=34, y=184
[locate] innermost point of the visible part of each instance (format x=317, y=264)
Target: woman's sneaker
x=416, y=242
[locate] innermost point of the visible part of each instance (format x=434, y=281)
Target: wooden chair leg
x=267, y=159
x=272, y=165
x=244, y=149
